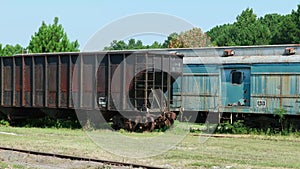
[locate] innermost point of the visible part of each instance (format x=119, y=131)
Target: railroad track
x=223, y=135
x=106, y=162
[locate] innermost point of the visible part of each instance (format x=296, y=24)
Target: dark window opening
x=237, y=77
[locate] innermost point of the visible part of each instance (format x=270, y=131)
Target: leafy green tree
x=1, y=49
x=296, y=19
x=132, y=44
x=172, y=41
x=250, y=31
x=223, y=35
x=288, y=29
x=51, y=38
x=247, y=30
x=10, y=50
x=272, y=21
x=116, y=45
x=155, y=45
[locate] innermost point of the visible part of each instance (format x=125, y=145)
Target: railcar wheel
x=144, y=123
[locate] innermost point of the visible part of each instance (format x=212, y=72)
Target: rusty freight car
x=134, y=89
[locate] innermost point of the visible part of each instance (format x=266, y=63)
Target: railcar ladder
x=144, y=80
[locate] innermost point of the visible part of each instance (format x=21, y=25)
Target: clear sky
x=82, y=18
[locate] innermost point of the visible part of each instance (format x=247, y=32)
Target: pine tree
x=51, y=38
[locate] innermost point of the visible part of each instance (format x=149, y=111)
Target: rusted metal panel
x=39, y=81
x=132, y=77
x=18, y=82
x=27, y=85
x=13, y=101
x=116, y=73
x=72, y=80
x=63, y=81
x=129, y=73
x=7, y=81
x=102, y=85
x=75, y=80
x=52, y=72
x=88, y=80
x=1, y=83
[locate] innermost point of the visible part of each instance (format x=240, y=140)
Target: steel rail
x=107, y=162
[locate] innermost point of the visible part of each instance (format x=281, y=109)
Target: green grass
x=252, y=151
x=9, y=166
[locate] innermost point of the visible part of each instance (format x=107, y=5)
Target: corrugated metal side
x=102, y=76
x=7, y=80
x=18, y=82
x=87, y=81
x=278, y=86
x=38, y=81
x=74, y=81
x=64, y=81
x=200, y=87
x=52, y=81
x=27, y=86
x=79, y=80
x=116, y=72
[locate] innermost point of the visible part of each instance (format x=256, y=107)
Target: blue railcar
x=241, y=80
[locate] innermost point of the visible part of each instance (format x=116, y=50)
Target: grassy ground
x=5, y=165
x=193, y=151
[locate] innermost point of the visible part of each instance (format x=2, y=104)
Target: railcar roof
x=213, y=55
x=112, y=52
x=243, y=55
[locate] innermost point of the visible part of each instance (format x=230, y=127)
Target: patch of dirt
x=43, y=162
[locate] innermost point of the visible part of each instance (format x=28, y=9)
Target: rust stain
x=285, y=87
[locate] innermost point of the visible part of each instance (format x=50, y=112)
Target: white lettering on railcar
x=261, y=103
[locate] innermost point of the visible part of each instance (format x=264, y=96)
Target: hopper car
x=133, y=89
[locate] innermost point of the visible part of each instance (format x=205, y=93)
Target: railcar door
x=235, y=86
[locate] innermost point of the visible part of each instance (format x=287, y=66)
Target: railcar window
x=237, y=77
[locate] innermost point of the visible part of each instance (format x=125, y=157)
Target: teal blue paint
x=257, y=85
x=199, y=68
x=292, y=86
x=268, y=82
x=232, y=93
x=199, y=89
x=271, y=68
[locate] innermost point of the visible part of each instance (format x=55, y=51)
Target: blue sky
x=82, y=18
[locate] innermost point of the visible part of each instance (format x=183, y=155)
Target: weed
x=48, y=122
x=4, y=123
x=239, y=128
x=280, y=113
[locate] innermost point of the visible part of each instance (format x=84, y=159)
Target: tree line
x=48, y=38
x=248, y=29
